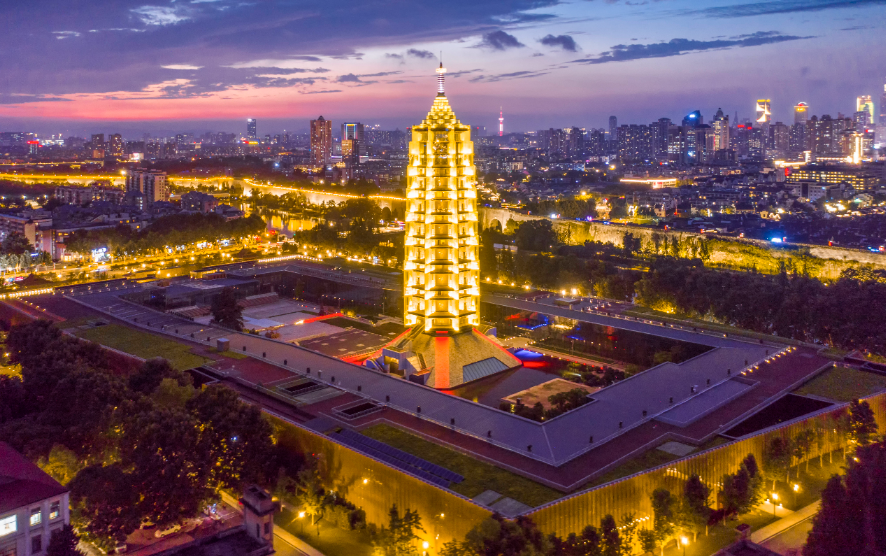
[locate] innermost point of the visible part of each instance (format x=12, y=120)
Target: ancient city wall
x=816, y=260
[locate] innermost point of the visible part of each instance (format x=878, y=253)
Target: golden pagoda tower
x=446, y=345
x=441, y=272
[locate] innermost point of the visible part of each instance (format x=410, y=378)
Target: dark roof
x=23, y=483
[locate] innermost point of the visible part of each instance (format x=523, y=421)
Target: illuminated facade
x=801, y=113
x=251, y=130
x=446, y=345
x=321, y=141
x=442, y=248
x=865, y=104
x=764, y=111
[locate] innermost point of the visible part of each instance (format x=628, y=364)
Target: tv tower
x=501, y=123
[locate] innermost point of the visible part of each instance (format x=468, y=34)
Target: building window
x=54, y=510
x=8, y=550
x=36, y=516
x=7, y=526
x=36, y=544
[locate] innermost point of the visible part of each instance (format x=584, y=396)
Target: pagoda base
x=444, y=361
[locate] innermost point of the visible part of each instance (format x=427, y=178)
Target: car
x=172, y=529
x=120, y=548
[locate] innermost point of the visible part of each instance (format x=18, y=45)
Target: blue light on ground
x=526, y=355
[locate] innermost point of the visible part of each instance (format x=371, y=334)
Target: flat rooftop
x=616, y=410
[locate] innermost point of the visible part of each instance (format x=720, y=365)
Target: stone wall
x=817, y=260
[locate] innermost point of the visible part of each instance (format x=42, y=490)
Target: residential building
x=353, y=144
x=115, y=145
x=613, y=129
x=720, y=128
x=149, y=184
x=859, y=177
x=35, y=225
x=33, y=505
x=74, y=195
x=321, y=141
x=97, y=145
x=199, y=201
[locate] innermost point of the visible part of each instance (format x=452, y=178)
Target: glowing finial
x=440, y=71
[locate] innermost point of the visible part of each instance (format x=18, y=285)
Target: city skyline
x=212, y=64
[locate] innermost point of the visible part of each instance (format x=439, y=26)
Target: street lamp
x=684, y=541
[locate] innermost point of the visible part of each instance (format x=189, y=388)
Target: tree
x=862, y=426
x=226, y=310
x=755, y=485
x=695, y=504
x=663, y=516
x=399, y=537
x=15, y=244
x=105, y=504
x=627, y=533
x=61, y=464
x=536, y=235
x=170, y=465
x=852, y=517
x=611, y=540
x=777, y=458
x=152, y=372
x=63, y=542
x=235, y=437
x=802, y=447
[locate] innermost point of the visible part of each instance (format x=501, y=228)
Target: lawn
x=647, y=460
x=143, y=344
x=479, y=475
x=331, y=541
x=843, y=384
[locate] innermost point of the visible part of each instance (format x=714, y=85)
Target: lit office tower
x=865, y=104
x=97, y=143
x=720, y=127
x=352, y=144
x=251, y=132
x=801, y=113
x=446, y=345
x=501, y=122
x=764, y=111
x=321, y=141
x=613, y=128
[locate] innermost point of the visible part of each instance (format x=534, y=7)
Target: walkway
x=789, y=533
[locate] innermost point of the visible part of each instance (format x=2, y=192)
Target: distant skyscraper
x=613, y=129
x=720, y=127
x=251, y=133
x=764, y=111
x=321, y=141
x=865, y=104
x=881, y=132
x=501, y=122
x=693, y=119
x=801, y=113
x=352, y=143
x=115, y=145
x=98, y=145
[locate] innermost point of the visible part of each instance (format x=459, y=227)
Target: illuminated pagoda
x=446, y=345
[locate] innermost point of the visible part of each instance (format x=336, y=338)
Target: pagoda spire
x=440, y=71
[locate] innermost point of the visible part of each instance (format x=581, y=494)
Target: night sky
x=76, y=66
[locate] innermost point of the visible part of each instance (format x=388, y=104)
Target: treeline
x=565, y=208
x=167, y=231
x=147, y=446
x=847, y=313
x=685, y=508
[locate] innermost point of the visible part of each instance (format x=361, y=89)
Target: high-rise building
x=693, y=119
x=764, y=111
x=781, y=140
x=115, y=145
x=634, y=142
x=146, y=187
x=658, y=138
x=251, y=129
x=881, y=129
x=865, y=104
x=321, y=141
x=720, y=127
x=613, y=129
x=501, y=122
x=352, y=142
x=441, y=271
x=801, y=113
x=825, y=135
x=97, y=145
